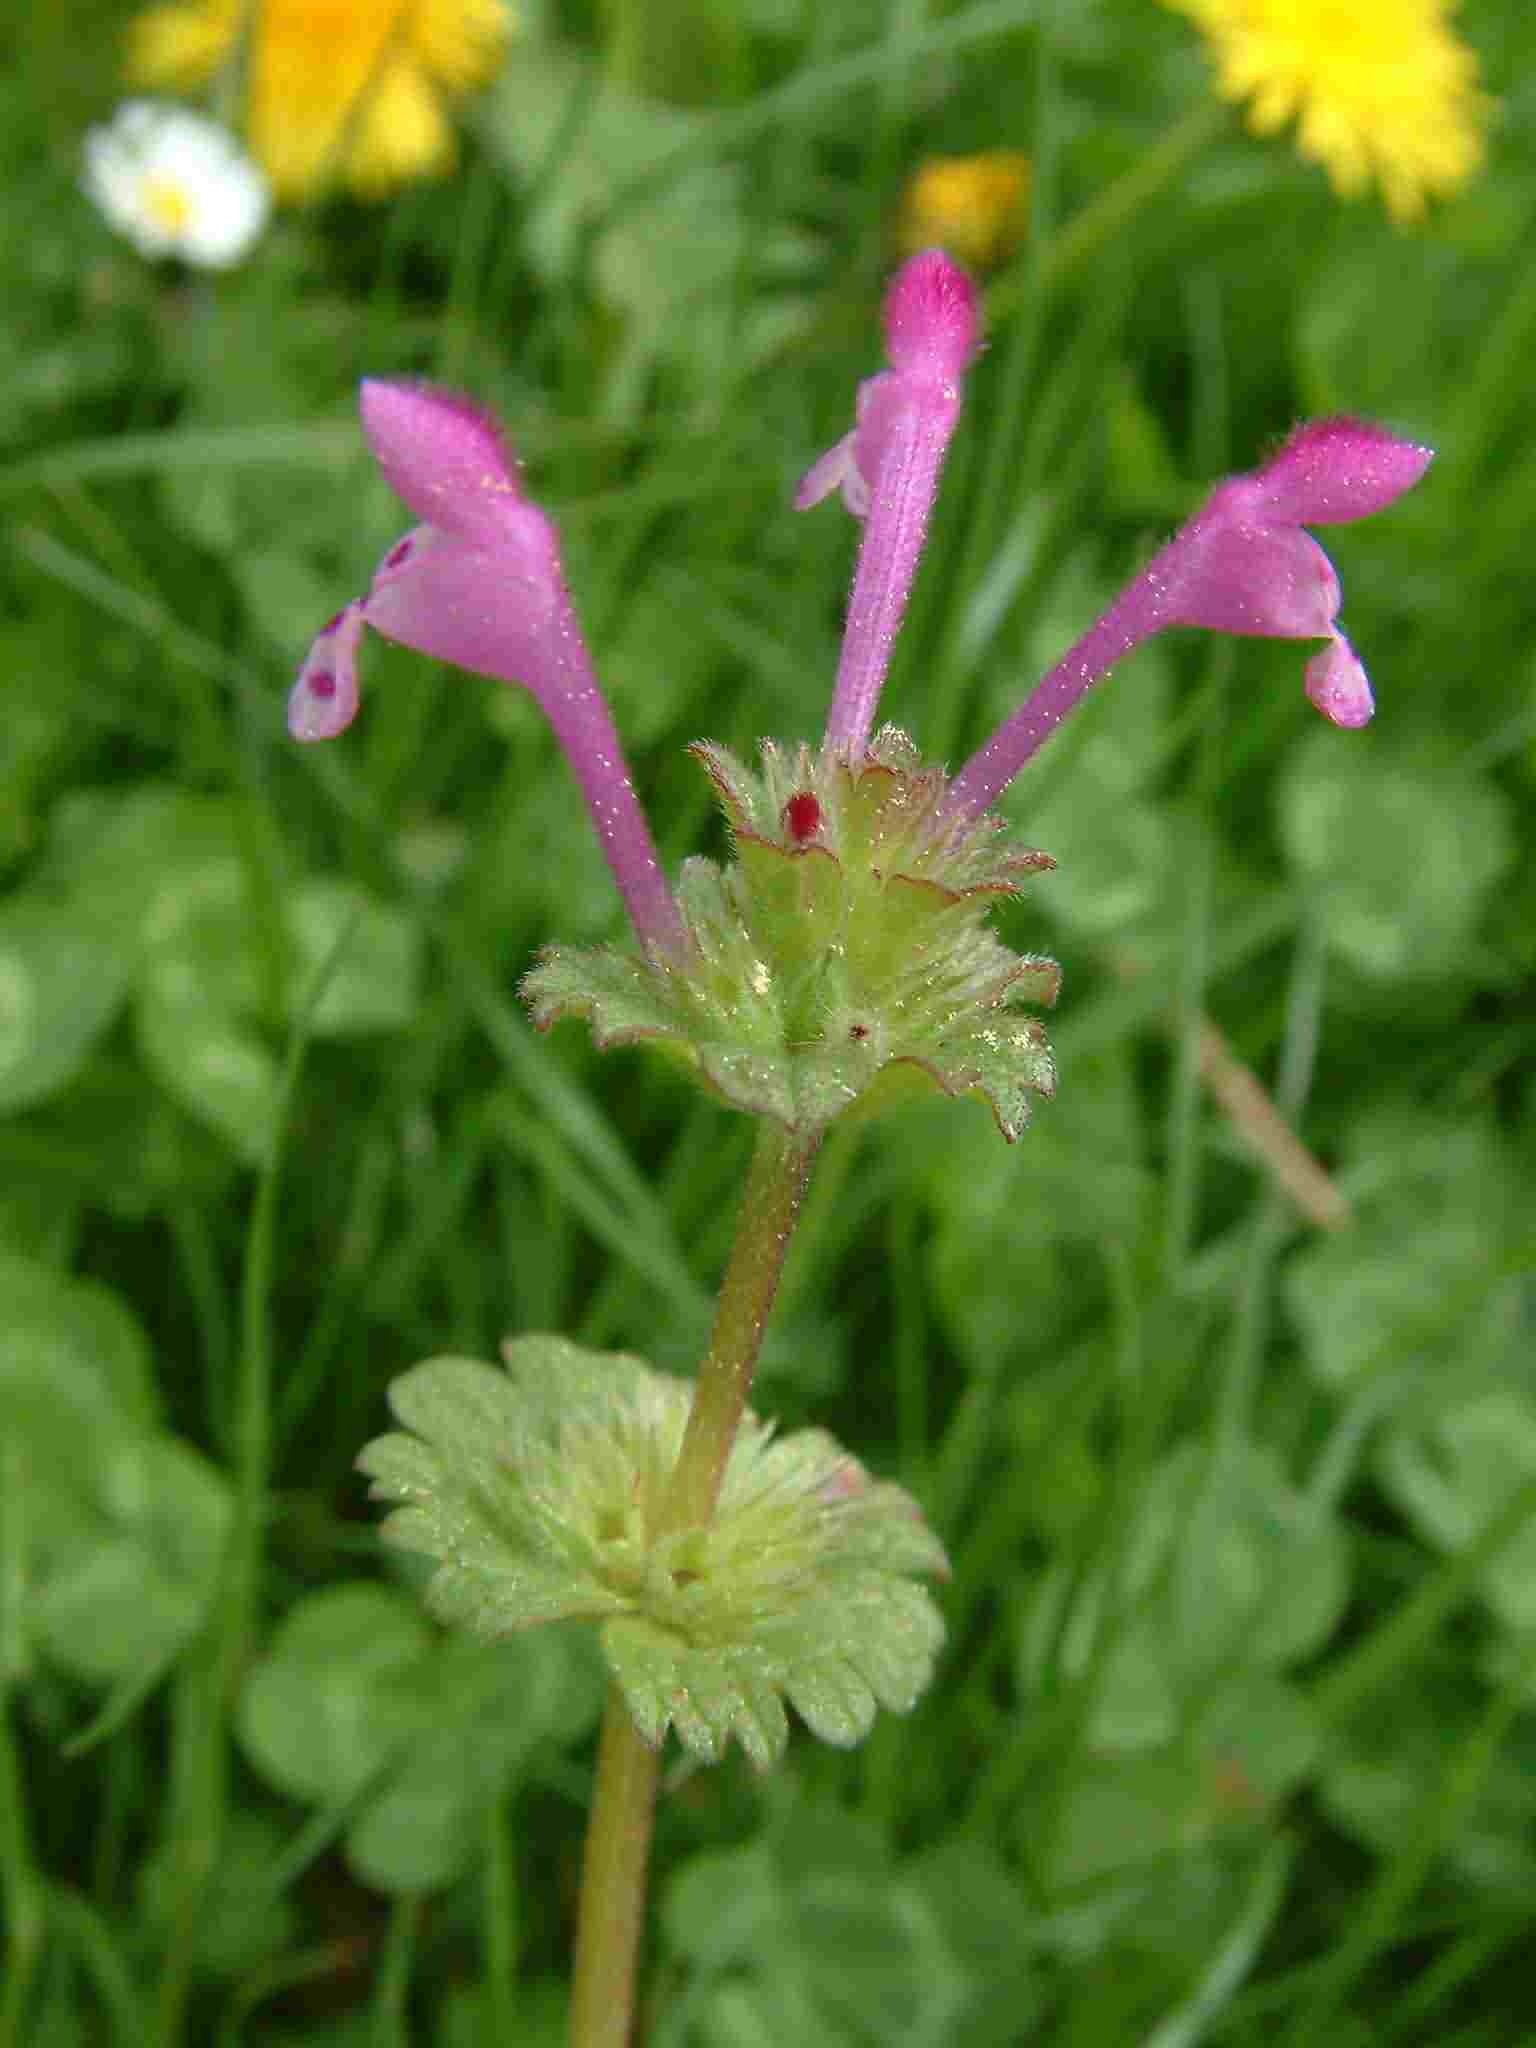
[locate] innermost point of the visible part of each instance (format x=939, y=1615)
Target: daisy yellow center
x=167, y=203
x=1380, y=89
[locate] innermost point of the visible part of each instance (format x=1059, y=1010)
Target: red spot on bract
x=802, y=816
x=397, y=554
x=321, y=684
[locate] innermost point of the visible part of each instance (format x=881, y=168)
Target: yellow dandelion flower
x=335, y=89
x=973, y=206
x=1381, y=89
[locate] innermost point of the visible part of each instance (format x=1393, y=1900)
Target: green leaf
x=1226, y=1568
x=1413, y=1294
x=330, y=1703
x=1457, y=1475
x=687, y=308
x=243, y=1920
x=816, y=1933
x=484, y=1712
x=375, y=985
x=1374, y=1789
x=220, y=1070
x=61, y=982
x=126, y=1556
x=537, y=1491
x=1406, y=844
x=360, y=1708
x=70, y=1352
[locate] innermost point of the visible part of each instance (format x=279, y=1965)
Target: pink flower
x=1242, y=565
x=479, y=583
x=888, y=471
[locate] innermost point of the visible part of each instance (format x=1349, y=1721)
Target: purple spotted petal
x=323, y=702
x=479, y=583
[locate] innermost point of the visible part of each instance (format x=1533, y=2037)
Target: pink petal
x=480, y=608
x=1339, y=686
x=445, y=457
x=1338, y=469
x=836, y=470
x=930, y=317
x=323, y=702
x=1274, y=581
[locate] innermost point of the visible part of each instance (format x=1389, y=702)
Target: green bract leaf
x=846, y=946
x=538, y=1491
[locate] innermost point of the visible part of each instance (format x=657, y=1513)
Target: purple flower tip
x=1241, y=565
x=479, y=583
x=1337, y=469
x=931, y=317
x=445, y=456
x=1339, y=686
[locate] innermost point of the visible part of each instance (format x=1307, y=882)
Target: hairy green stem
x=781, y=1166
x=613, y=1881
x=612, y=1909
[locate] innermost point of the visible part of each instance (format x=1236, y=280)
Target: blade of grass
x=1374, y=1929
x=206, y=1686
x=1235, y=1957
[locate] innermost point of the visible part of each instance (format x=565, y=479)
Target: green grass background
x=1234, y=1741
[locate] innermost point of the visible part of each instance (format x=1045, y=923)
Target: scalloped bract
x=846, y=941
x=538, y=1489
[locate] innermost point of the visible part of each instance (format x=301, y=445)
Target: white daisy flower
x=175, y=184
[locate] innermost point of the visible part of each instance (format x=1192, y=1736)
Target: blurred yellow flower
x=972, y=206
x=335, y=89
x=1382, y=89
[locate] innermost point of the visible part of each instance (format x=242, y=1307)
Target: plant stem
x=781, y=1166
x=613, y=1879
x=613, y=1874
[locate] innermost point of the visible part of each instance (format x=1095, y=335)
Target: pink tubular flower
x=888, y=469
x=1241, y=565
x=479, y=583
